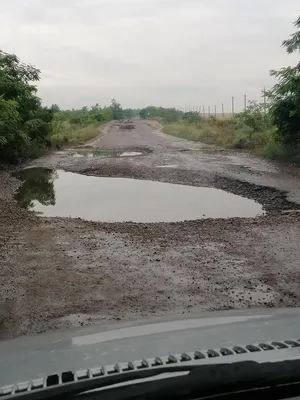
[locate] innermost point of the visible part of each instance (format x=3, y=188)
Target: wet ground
x=213, y=230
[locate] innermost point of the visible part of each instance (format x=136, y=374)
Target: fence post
x=215, y=111
x=232, y=106
x=265, y=101
x=245, y=102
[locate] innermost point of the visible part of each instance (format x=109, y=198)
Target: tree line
x=26, y=126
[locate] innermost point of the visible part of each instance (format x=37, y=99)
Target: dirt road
x=61, y=272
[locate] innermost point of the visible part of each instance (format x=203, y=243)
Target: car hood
x=32, y=357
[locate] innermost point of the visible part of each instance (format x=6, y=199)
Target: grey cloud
x=171, y=52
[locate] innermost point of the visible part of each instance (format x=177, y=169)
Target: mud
x=62, y=272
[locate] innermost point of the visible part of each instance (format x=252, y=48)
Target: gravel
x=60, y=272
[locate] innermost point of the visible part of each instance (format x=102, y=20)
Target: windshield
x=149, y=175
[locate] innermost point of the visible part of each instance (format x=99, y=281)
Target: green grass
x=75, y=134
x=228, y=134
x=277, y=151
x=220, y=132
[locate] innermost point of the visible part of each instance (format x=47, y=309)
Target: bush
x=286, y=115
x=242, y=139
x=75, y=134
x=191, y=118
x=257, y=117
x=73, y=126
x=273, y=149
x=285, y=96
x=205, y=134
x=167, y=115
x=24, y=123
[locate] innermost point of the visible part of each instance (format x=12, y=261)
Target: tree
x=130, y=113
x=293, y=43
x=38, y=186
x=55, y=108
x=24, y=123
x=117, y=112
x=285, y=95
x=166, y=114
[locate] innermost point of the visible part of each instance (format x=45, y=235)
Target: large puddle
x=64, y=194
x=102, y=153
x=94, y=153
x=131, y=154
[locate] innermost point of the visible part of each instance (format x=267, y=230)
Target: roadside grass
x=277, y=151
x=220, y=132
x=231, y=134
x=74, y=134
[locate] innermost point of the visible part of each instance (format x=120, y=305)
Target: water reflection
x=65, y=194
x=38, y=187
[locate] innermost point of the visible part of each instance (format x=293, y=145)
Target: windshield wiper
x=165, y=381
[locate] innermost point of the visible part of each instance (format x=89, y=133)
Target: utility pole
x=232, y=106
x=265, y=101
x=245, y=102
x=223, y=110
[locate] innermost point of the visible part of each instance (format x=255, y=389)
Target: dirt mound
x=126, y=124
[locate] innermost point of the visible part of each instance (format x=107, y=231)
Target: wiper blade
x=201, y=379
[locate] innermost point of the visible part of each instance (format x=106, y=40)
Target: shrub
x=285, y=96
x=242, y=140
x=24, y=123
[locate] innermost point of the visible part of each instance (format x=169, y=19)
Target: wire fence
x=220, y=111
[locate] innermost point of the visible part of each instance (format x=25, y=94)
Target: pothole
x=94, y=153
x=102, y=153
x=131, y=154
x=167, y=166
x=59, y=193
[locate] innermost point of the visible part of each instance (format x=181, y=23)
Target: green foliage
x=191, y=117
x=38, y=186
x=256, y=118
x=75, y=126
x=196, y=132
x=26, y=127
x=293, y=44
x=130, y=113
x=73, y=134
x=243, y=140
x=270, y=128
x=285, y=96
x=24, y=124
x=116, y=109
x=165, y=114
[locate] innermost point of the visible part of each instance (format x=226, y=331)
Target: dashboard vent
x=70, y=376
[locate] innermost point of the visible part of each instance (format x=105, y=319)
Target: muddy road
x=59, y=272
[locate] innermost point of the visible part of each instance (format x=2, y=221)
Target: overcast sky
x=163, y=52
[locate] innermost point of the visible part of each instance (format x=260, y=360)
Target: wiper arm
x=199, y=379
